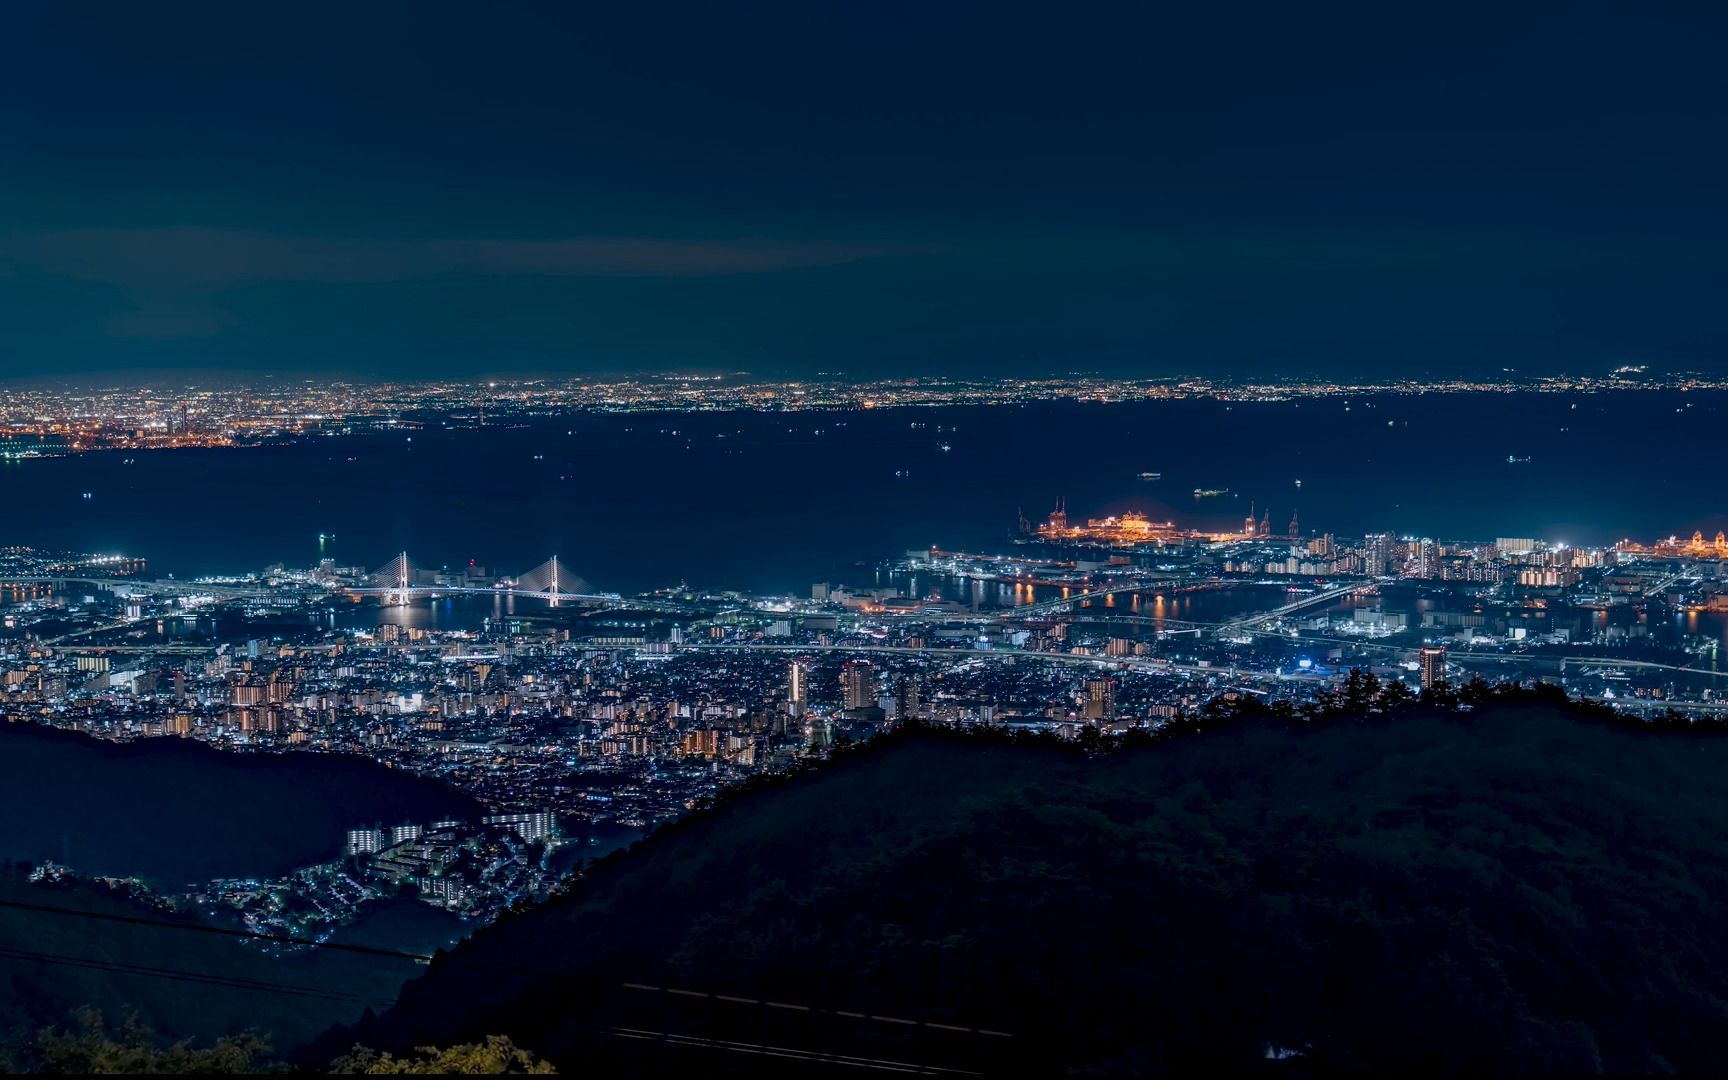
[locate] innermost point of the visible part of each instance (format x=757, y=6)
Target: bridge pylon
x=397, y=578
x=545, y=578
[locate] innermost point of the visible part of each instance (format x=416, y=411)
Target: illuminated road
x=183, y=588
x=433, y=592
x=1065, y=603
x=1672, y=579
x=1658, y=705
x=1138, y=663
x=1138, y=585
x=1579, y=661
x=1262, y=618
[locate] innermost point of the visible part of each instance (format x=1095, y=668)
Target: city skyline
x=968, y=539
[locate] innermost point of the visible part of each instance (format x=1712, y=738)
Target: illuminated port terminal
x=1134, y=528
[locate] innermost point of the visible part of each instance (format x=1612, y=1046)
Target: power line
x=222, y=931
x=294, y=990
x=813, y=1010
x=230, y=981
x=792, y=1053
x=279, y=939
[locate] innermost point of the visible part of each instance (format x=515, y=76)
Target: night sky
x=443, y=189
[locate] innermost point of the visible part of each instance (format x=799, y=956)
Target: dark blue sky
x=877, y=189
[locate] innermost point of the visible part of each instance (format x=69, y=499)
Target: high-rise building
x=858, y=679
x=1101, y=699
x=797, y=689
x=906, y=699
x=1426, y=557
x=1376, y=554
x=529, y=826
x=1433, y=662
x=366, y=841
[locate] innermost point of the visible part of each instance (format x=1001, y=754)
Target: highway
x=1138, y=585
x=1662, y=586
x=1581, y=661
x=1658, y=705
x=1249, y=622
x=183, y=588
x=1139, y=663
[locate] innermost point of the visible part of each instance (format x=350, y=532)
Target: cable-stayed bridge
x=544, y=580
x=400, y=581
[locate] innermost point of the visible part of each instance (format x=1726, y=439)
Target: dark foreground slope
x=1514, y=889
x=98, y=950
x=175, y=811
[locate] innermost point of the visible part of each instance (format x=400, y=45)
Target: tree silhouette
x=496, y=1056
x=92, y=1047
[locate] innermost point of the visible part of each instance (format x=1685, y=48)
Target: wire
x=232, y=982
x=223, y=931
x=293, y=990
x=794, y=1053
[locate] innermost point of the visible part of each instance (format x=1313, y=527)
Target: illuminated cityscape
x=593, y=710
x=334, y=657
x=45, y=420
x=796, y=540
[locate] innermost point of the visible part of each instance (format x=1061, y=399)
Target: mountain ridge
x=1430, y=889
x=175, y=811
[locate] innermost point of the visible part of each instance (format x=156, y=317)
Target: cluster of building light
x=44, y=421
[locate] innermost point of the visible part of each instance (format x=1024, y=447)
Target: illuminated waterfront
x=774, y=502
x=591, y=623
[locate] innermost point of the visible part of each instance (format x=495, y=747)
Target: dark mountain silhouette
x=172, y=811
x=105, y=951
x=175, y=811
x=1526, y=887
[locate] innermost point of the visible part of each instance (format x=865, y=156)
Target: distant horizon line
x=1630, y=377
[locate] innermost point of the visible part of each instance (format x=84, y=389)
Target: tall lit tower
x=1101, y=699
x=906, y=699
x=1376, y=554
x=797, y=689
x=399, y=580
x=858, y=679
x=1427, y=559
x=1433, y=663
